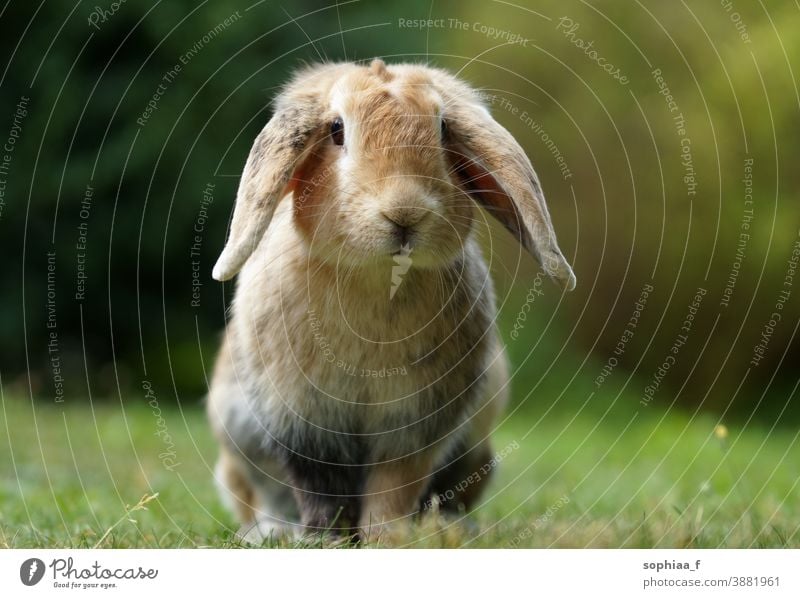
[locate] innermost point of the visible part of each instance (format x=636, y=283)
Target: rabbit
x=361, y=371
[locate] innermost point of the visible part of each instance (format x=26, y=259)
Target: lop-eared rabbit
x=361, y=370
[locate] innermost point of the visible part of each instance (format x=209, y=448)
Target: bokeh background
x=122, y=154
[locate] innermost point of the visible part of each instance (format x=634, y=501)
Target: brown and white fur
x=337, y=405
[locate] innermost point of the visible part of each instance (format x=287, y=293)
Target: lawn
x=100, y=475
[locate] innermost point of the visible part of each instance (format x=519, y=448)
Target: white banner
x=388, y=573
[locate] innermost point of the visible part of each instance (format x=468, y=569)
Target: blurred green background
x=666, y=138
x=609, y=151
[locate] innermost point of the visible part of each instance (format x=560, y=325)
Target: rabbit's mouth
x=404, y=249
x=404, y=243
x=412, y=247
x=417, y=253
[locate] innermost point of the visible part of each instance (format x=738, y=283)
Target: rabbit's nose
x=405, y=217
x=405, y=222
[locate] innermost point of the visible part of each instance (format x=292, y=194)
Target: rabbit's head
x=385, y=160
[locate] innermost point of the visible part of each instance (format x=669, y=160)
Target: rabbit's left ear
x=274, y=156
x=494, y=169
x=276, y=152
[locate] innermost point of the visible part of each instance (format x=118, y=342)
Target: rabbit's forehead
x=363, y=94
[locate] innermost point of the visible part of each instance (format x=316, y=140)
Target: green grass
x=72, y=477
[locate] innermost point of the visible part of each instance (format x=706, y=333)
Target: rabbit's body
x=361, y=367
x=345, y=375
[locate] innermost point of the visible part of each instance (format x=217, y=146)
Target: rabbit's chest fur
x=335, y=367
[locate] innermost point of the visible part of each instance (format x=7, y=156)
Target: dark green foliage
x=88, y=85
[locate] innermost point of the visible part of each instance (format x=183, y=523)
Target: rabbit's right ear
x=276, y=152
x=495, y=170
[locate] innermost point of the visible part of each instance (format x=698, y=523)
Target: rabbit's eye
x=337, y=131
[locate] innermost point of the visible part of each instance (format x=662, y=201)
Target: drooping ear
x=494, y=169
x=277, y=151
